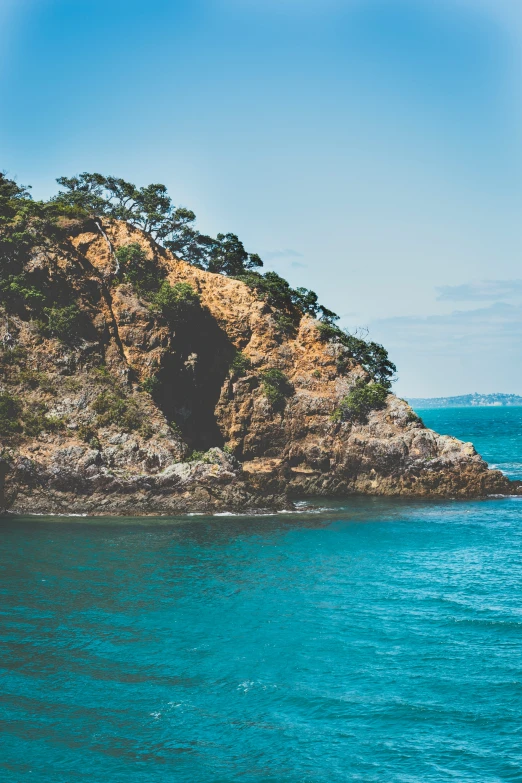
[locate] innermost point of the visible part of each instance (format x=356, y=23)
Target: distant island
x=466, y=401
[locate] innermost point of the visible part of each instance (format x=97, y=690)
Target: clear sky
x=368, y=150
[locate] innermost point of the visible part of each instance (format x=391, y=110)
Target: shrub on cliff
x=14, y=356
x=20, y=289
x=23, y=227
x=276, y=387
x=114, y=409
x=32, y=419
x=151, y=384
x=363, y=398
x=175, y=302
x=142, y=273
x=10, y=411
x=37, y=421
x=291, y=303
x=63, y=323
x=240, y=365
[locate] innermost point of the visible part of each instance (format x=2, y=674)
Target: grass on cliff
x=64, y=323
x=36, y=421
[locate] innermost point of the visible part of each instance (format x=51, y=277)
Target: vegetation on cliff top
x=27, y=226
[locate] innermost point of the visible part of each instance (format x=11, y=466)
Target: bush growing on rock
x=36, y=380
x=64, y=323
x=20, y=288
x=103, y=376
x=291, y=303
x=113, y=409
x=10, y=357
x=26, y=226
x=240, y=365
x=175, y=302
x=276, y=387
x=37, y=421
x=151, y=384
x=10, y=410
x=142, y=273
x=363, y=398
x=89, y=435
x=30, y=420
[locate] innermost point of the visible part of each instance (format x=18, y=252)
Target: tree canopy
x=151, y=209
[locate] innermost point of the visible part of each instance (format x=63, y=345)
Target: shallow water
x=370, y=641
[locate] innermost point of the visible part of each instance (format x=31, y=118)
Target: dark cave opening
x=191, y=378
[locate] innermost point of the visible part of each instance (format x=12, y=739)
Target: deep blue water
x=371, y=641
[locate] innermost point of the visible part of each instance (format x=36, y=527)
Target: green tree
x=24, y=226
x=151, y=209
x=370, y=355
x=227, y=255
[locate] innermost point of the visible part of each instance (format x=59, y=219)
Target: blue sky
x=368, y=150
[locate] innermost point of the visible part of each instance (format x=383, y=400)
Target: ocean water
x=368, y=640
x=495, y=432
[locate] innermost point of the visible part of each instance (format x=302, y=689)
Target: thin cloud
x=480, y=290
x=484, y=329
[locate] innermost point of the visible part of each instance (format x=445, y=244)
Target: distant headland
x=467, y=401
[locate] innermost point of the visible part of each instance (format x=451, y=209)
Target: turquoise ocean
x=365, y=640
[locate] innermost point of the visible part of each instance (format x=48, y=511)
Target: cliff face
x=103, y=445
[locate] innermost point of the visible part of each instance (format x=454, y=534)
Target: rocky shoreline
x=139, y=418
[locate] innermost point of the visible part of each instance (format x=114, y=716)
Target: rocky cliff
x=136, y=416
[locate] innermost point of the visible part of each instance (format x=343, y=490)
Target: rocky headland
x=226, y=404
